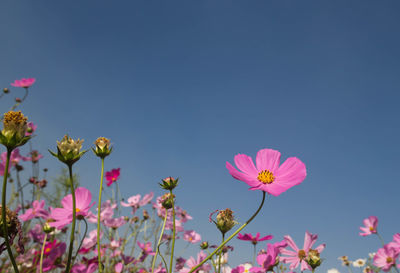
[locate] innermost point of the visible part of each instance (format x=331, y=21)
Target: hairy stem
x=72, y=238
x=98, y=216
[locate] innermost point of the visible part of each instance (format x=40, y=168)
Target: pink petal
x=291, y=172
x=268, y=159
x=291, y=243
x=246, y=165
x=241, y=176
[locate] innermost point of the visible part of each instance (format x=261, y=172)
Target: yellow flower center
x=371, y=229
x=301, y=254
x=15, y=117
x=389, y=260
x=266, y=177
x=77, y=210
x=47, y=250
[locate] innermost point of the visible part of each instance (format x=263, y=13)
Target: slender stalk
x=159, y=242
x=219, y=254
x=83, y=238
x=21, y=192
x=98, y=216
x=254, y=253
x=3, y=212
x=22, y=100
x=42, y=252
x=230, y=237
x=72, y=238
x=380, y=238
x=173, y=232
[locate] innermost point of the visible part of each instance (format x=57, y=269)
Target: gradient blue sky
x=181, y=86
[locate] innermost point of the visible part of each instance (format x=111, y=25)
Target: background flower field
x=182, y=87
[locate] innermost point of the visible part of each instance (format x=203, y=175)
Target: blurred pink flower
x=192, y=262
x=254, y=240
x=52, y=252
x=63, y=216
x=90, y=241
x=298, y=256
x=106, y=212
x=31, y=128
x=36, y=211
x=115, y=222
x=191, y=236
x=386, y=257
x=146, y=250
x=268, y=260
x=14, y=160
x=33, y=156
x=112, y=176
x=396, y=242
x=370, y=225
x=118, y=267
x=268, y=176
x=25, y=83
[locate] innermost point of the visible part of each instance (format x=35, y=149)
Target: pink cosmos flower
x=106, y=212
x=115, y=222
x=146, y=250
x=192, y=262
x=90, y=241
x=386, y=257
x=254, y=240
x=298, y=256
x=118, y=267
x=33, y=156
x=370, y=225
x=36, y=211
x=63, y=216
x=52, y=251
x=268, y=176
x=25, y=83
x=268, y=260
x=191, y=236
x=396, y=242
x=112, y=176
x=14, y=160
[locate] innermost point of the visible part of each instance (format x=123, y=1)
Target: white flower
x=372, y=255
x=359, y=262
x=333, y=270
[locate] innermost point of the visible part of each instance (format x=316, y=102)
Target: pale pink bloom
x=298, y=256
x=146, y=199
x=33, y=156
x=25, y=83
x=178, y=225
x=396, y=242
x=242, y=268
x=118, y=267
x=106, y=212
x=184, y=216
x=133, y=202
x=146, y=250
x=63, y=216
x=386, y=257
x=37, y=234
x=115, y=222
x=36, y=211
x=370, y=225
x=90, y=241
x=14, y=159
x=192, y=262
x=31, y=128
x=191, y=236
x=268, y=176
x=160, y=269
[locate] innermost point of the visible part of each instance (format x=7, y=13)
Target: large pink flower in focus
x=63, y=216
x=370, y=225
x=298, y=256
x=25, y=83
x=112, y=176
x=386, y=257
x=268, y=176
x=254, y=240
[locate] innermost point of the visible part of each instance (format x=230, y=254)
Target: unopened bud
x=313, y=258
x=225, y=220
x=167, y=200
x=135, y=219
x=18, y=100
x=145, y=215
x=204, y=245
x=169, y=183
x=6, y=90
x=47, y=228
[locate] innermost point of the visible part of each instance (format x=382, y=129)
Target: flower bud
x=204, y=245
x=47, y=228
x=69, y=150
x=42, y=183
x=225, y=220
x=135, y=219
x=14, y=130
x=313, y=258
x=167, y=200
x=6, y=90
x=145, y=215
x=103, y=148
x=18, y=100
x=169, y=183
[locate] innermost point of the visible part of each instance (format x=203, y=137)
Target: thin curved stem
x=42, y=252
x=22, y=100
x=98, y=216
x=72, y=238
x=230, y=237
x=3, y=212
x=173, y=232
x=83, y=238
x=159, y=242
x=380, y=238
x=219, y=254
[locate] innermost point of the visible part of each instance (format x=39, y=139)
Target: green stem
x=98, y=216
x=3, y=212
x=380, y=238
x=220, y=253
x=159, y=242
x=42, y=252
x=230, y=237
x=72, y=238
x=83, y=238
x=254, y=253
x=173, y=232
x=21, y=192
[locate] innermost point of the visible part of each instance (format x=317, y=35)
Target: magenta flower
x=386, y=257
x=52, y=252
x=25, y=83
x=146, y=250
x=115, y=222
x=268, y=260
x=268, y=176
x=14, y=160
x=396, y=242
x=63, y=216
x=370, y=225
x=298, y=256
x=36, y=211
x=112, y=176
x=254, y=240
x=191, y=236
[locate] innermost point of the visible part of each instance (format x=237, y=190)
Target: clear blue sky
x=182, y=86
